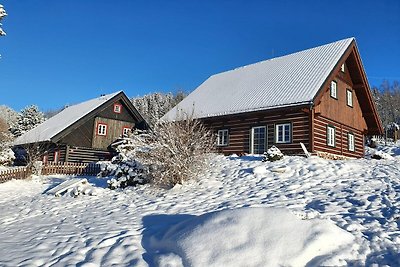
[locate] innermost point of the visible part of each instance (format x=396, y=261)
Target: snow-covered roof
x=51, y=127
x=283, y=81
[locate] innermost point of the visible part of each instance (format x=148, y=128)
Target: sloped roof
x=56, y=124
x=289, y=80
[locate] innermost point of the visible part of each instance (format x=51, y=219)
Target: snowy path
x=360, y=196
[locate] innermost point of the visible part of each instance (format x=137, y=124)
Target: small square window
x=342, y=68
x=350, y=140
x=126, y=131
x=283, y=133
x=102, y=129
x=117, y=108
x=330, y=136
x=223, y=137
x=349, y=97
x=333, y=89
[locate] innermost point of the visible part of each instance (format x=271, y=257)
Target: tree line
x=387, y=100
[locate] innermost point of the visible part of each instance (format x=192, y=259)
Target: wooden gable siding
x=337, y=108
x=108, y=112
x=82, y=135
x=114, y=131
x=239, y=127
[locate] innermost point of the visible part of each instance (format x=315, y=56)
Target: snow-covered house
x=83, y=132
x=319, y=97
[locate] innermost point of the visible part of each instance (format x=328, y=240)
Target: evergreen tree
x=153, y=106
x=2, y=15
x=27, y=119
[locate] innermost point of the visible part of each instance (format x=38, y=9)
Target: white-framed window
x=349, y=97
x=258, y=137
x=283, y=133
x=330, y=135
x=333, y=89
x=126, y=130
x=223, y=137
x=102, y=129
x=117, y=108
x=350, y=140
x=342, y=68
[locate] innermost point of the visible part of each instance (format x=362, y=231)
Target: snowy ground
x=146, y=226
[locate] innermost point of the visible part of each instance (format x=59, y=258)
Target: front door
x=258, y=140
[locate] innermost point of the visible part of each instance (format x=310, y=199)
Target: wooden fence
x=69, y=168
x=14, y=173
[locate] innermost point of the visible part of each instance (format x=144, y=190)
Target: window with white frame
x=330, y=136
x=258, y=138
x=342, y=67
x=349, y=98
x=125, y=131
x=102, y=129
x=334, y=89
x=283, y=133
x=350, y=140
x=117, y=108
x=223, y=136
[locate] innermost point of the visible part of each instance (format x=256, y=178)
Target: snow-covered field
x=243, y=212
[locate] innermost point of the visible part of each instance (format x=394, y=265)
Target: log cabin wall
x=239, y=128
x=342, y=132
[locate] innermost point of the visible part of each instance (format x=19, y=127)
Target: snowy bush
x=272, y=154
x=6, y=157
x=6, y=154
x=173, y=152
x=124, y=168
x=176, y=151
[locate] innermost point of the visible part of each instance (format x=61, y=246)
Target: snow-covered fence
x=70, y=168
x=51, y=168
x=14, y=173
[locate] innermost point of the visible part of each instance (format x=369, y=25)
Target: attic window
x=126, y=130
x=349, y=98
x=102, y=129
x=334, y=89
x=117, y=108
x=342, y=68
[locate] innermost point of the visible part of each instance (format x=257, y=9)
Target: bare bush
x=172, y=152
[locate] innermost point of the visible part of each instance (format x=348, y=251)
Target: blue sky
x=67, y=51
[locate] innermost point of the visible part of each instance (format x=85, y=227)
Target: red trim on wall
x=120, y=108
x=97, y=128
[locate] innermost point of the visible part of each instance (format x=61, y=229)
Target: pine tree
x=2, y=15
x=28, y=119
x=153, y=106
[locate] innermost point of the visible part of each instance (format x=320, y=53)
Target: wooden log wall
x=87, y=155
x=341, y=138
x=239, y=127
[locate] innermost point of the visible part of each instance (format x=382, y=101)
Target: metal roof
x=283, y=81
x=56, y=124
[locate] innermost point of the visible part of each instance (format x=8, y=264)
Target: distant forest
x=387, y=99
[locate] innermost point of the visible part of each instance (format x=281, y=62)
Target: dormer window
x=342, y=68
x=117, y=108
x=333, y=89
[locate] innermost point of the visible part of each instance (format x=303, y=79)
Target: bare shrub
x=171, y=153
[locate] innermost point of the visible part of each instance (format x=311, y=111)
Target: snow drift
x=248, y=237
